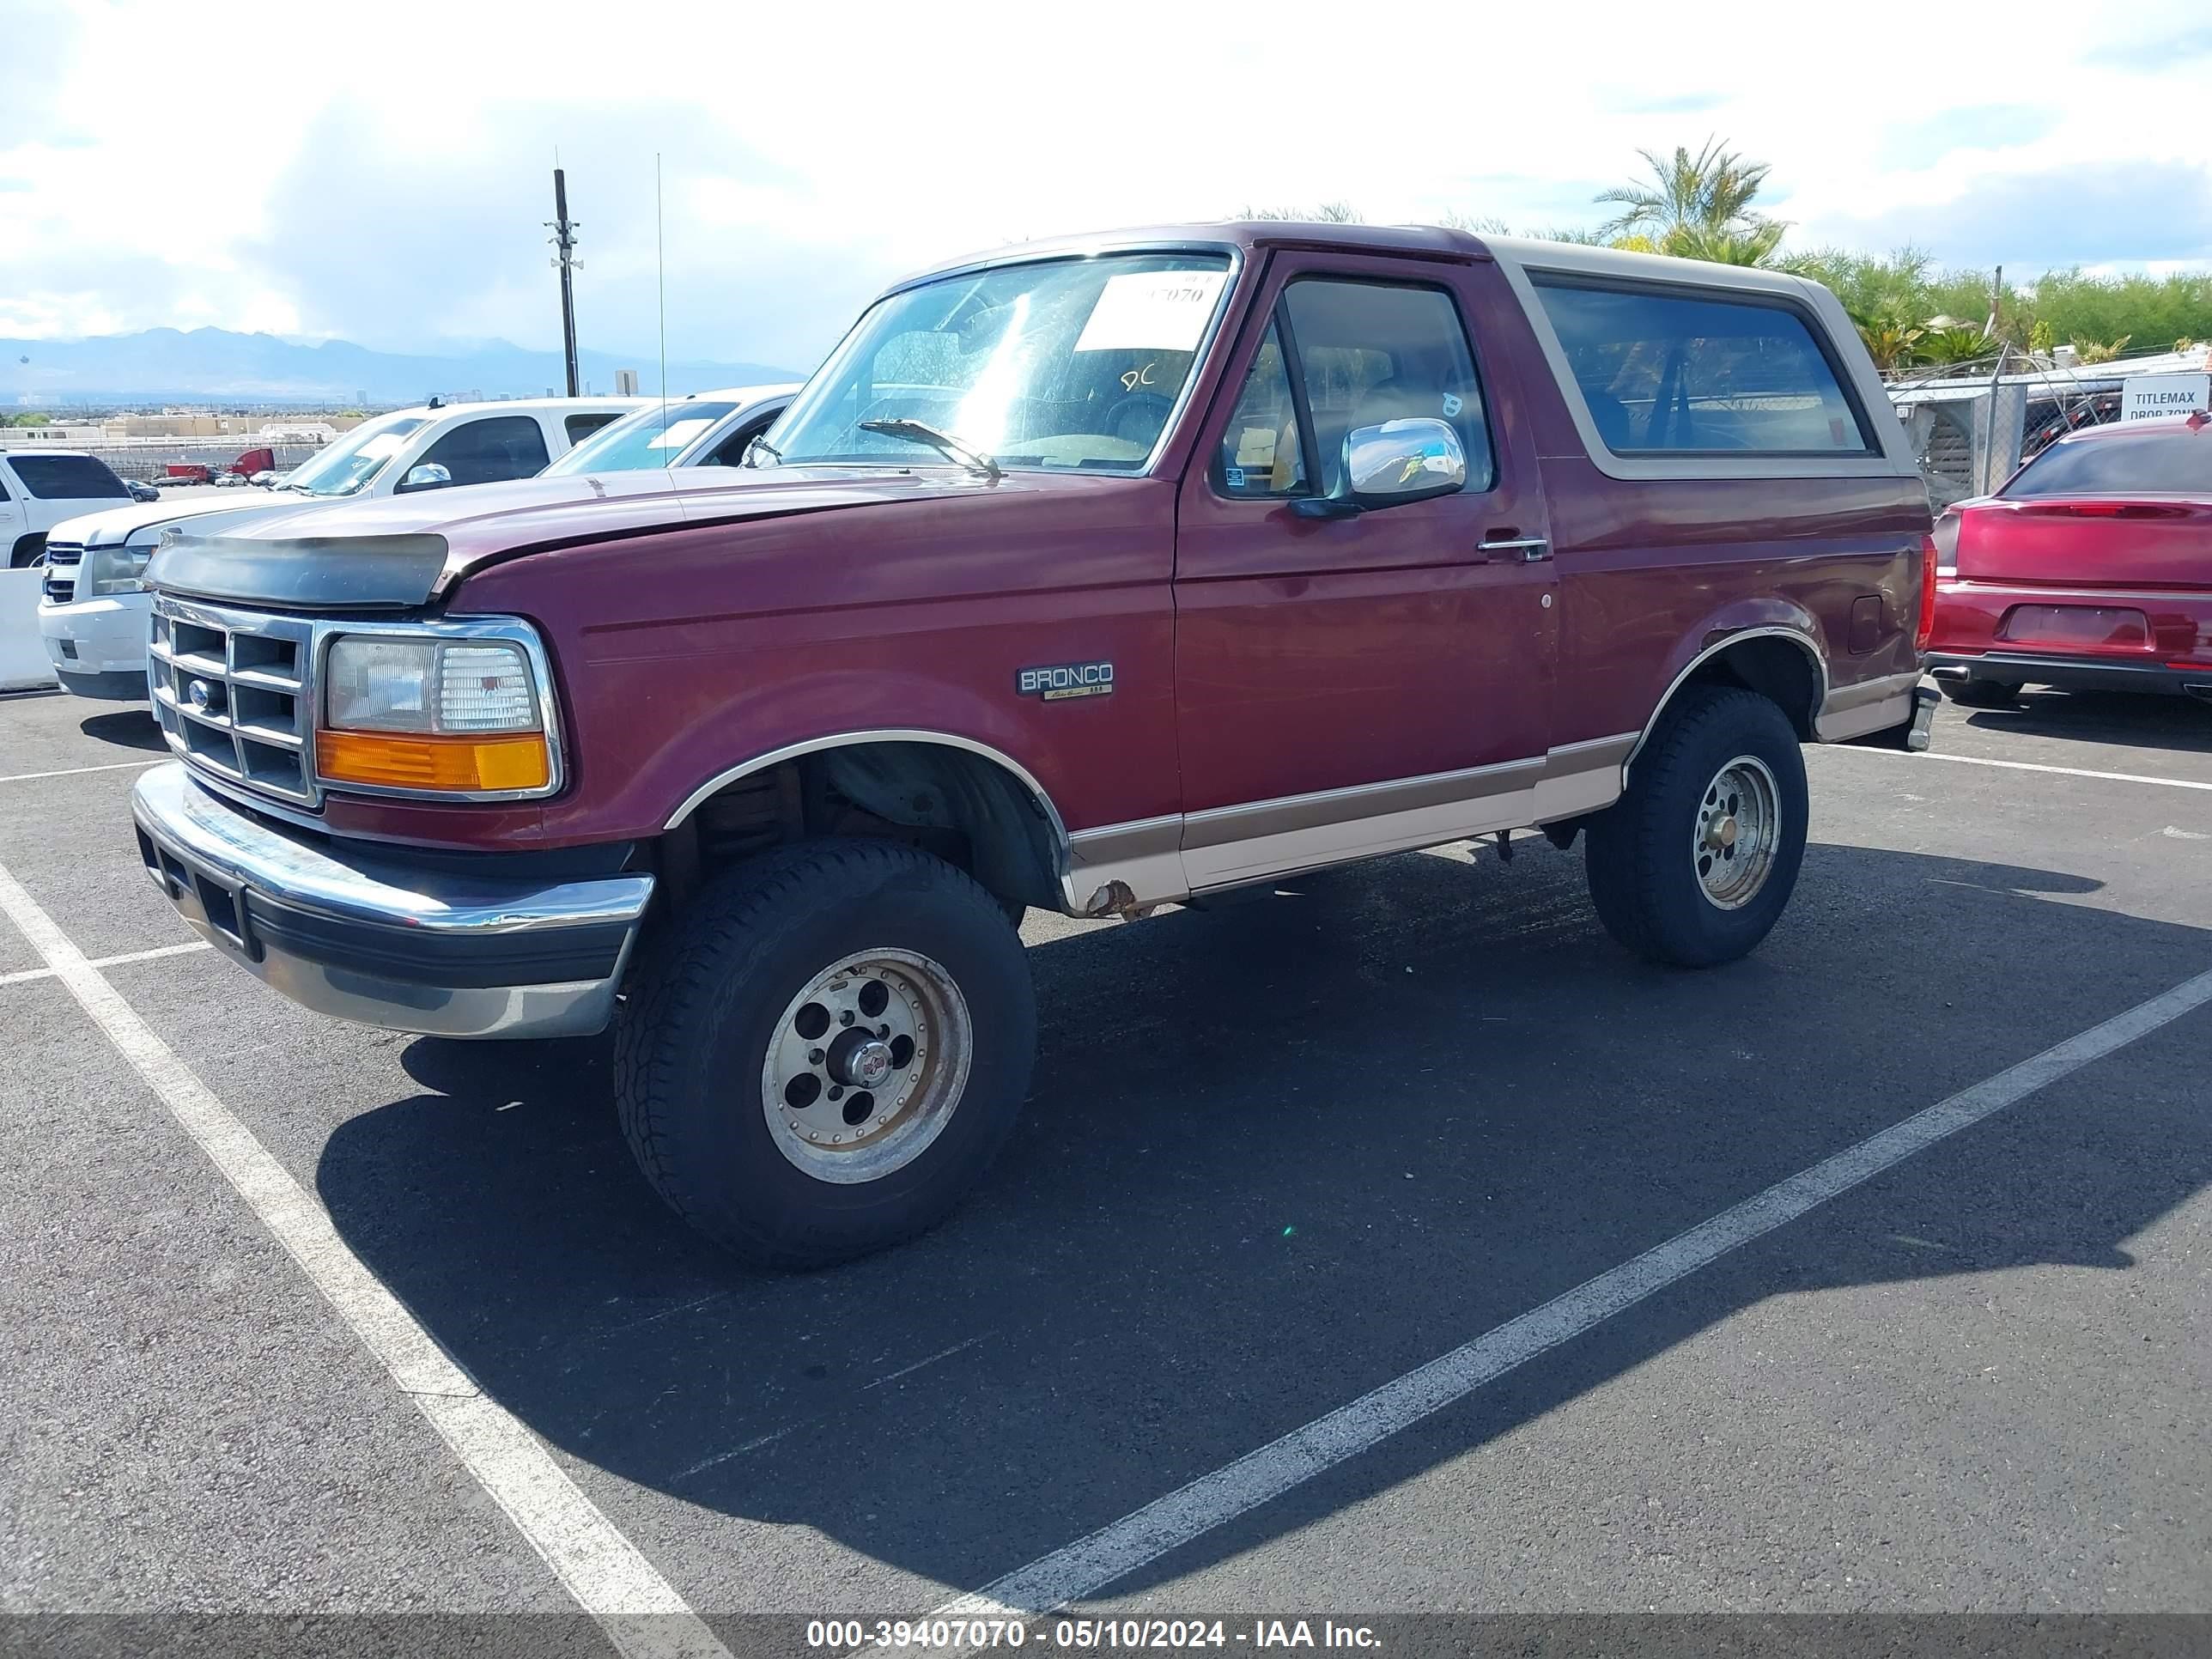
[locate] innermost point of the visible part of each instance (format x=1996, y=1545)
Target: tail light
x=1924, y=630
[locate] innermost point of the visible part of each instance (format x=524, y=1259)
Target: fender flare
x=1796, y=636
x=761, y=763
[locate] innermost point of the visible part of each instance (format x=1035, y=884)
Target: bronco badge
x=1072, y=679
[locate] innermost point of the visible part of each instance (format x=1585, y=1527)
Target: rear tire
x=741, y=1050
x=27, y=550
x=1695, y=862
x=1975, y=692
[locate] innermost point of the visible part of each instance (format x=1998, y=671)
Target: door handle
x=1525, y=550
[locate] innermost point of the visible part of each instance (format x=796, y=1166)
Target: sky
x=380, y=172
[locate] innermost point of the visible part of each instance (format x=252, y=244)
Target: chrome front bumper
x=382, y=941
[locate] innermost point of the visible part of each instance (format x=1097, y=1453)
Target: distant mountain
x=213, y=365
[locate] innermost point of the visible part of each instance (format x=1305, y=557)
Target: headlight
x=440, y=716
x=113, y=570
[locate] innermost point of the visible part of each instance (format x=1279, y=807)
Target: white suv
x=42, y=488
x=94, y=614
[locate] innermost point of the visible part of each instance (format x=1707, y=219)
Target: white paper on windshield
x=383, y=444
x=680, y=433
x=1151, y=311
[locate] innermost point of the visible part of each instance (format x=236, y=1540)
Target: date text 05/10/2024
x=1107, y=1635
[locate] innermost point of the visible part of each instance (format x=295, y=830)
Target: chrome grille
x=232, y=692
x=60, y=590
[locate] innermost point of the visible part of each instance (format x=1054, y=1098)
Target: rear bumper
x=378, y=941
x=2073, y=673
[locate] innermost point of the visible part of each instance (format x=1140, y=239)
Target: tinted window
x=1369, y=353
x=582, y=425
x=1260, y=453
x=487, y=451
x=1669, y=373
x=68, y=478
x=2143, y=464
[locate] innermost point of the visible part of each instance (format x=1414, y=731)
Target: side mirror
x=1403, y=461
x=428, y=475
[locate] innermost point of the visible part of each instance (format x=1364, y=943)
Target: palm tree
x=1741, y=245
x=1709, y=193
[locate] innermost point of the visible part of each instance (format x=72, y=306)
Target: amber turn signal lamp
x=460, y=764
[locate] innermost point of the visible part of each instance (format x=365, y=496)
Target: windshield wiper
x=922, y=432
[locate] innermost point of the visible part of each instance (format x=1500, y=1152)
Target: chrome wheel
x=866, y=1065
x=1739, y=826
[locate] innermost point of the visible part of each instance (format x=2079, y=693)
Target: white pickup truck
x=41, y=488
x=94, y=614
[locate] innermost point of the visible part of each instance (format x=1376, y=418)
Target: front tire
x=824, y=1056
x=1695, y=862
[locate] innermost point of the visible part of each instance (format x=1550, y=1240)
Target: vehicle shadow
x=129, y=728
x=2181, y=725
x=1275, y=1155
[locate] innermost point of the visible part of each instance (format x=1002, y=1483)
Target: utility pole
x=564, y=242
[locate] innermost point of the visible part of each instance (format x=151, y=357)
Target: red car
x=2091, y=569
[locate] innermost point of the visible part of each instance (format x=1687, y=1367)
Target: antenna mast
x=564, y=242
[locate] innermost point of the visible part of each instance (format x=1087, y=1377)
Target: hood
x=116, y=524
x=401, y=551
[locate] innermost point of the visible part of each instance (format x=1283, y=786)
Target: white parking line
x=72, y=771
x=2023, y=766
x=1091, y=1564
x=640, y=1610
x=154, y=954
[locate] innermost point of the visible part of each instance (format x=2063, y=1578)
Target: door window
x=579, y=426
x=487, y=451
x=1339, y=355
x=1261, y=454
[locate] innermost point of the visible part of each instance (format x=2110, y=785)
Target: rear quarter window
x=1676, y=372
x=68, y=478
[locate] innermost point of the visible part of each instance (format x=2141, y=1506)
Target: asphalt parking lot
x=1278, y=1156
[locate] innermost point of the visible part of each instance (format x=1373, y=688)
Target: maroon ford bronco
x=1092, y=576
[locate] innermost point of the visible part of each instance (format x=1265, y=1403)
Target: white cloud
x=383, y=175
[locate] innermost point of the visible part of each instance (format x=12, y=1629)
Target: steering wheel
x=1139, y=417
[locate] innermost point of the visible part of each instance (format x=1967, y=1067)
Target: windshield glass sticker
x=1072, y=679
x=1151, y=311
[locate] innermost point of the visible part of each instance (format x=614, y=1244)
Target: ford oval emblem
x=199, y=693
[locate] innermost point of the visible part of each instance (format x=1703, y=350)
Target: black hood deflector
x=306, y=572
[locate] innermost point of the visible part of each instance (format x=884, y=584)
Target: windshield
x=2168, y=462
x=1063, y=363
x=647, y=437
x=347, y=464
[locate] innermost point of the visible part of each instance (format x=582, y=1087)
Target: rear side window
x=68, y=478
x=1671, y=371
x=579, y=426
x=487, y=451
x=2145, y=464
